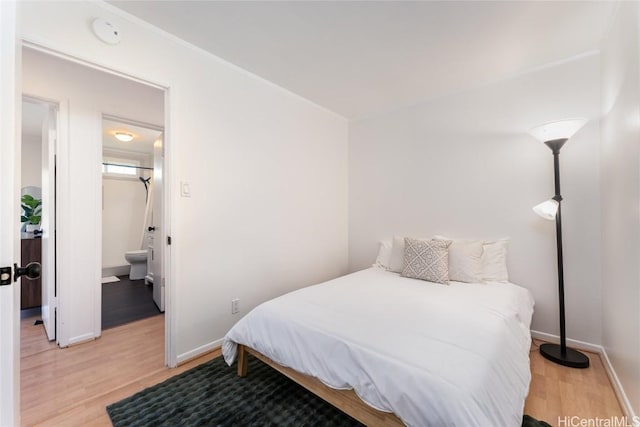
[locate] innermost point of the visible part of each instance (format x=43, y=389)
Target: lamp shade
x=547, y=209
x=562, y=129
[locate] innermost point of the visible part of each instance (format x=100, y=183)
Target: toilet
x=138, y=261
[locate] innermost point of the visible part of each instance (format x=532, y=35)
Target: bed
x=426, y=354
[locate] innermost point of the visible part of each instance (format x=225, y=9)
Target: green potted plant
x=31, y=212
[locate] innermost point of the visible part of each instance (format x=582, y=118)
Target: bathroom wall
x=123, y=208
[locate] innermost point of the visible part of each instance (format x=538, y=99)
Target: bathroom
x=131, y=165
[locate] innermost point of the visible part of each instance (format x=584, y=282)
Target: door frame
x=168, y=163
x=162, y=235
x=61, y=115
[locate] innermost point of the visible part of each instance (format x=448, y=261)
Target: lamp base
x=572, y=358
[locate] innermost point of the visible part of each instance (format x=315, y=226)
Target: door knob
x=32, y=271
x=151, y=228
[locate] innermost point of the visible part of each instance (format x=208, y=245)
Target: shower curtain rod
x=126, y=166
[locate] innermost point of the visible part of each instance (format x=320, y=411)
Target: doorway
x=86, y=96
x=10, y=86
x=38, y=203
x=132, y=165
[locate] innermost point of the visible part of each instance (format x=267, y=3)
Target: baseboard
x=117, y=270
x=199, y=351
x=611, y=373
x=617, y=386
x=580, y=345
x=80, y=339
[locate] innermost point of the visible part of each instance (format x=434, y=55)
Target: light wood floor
x=72, y=386
x=558, y=391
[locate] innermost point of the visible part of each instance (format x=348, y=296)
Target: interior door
x=9, y=216
x=157, y=218
x=48, y=222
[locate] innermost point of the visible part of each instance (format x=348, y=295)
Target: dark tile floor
x=126, y=301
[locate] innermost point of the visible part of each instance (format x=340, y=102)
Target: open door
x=9, y=217
x=157, y=253
x=49, y=136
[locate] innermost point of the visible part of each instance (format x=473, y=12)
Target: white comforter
x=435, y=355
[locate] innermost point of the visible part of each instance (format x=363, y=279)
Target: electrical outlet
x=235, y=305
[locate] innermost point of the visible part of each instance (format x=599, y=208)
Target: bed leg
x=242, y=361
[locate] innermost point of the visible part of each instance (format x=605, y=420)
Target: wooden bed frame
x=345, y=400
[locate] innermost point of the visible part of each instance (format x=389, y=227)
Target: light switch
x=185, y=189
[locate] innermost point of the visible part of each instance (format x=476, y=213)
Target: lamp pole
x=560, y=353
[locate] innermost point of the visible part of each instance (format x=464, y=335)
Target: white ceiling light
x=124, y=137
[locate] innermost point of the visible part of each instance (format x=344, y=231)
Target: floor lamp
x=554, y=135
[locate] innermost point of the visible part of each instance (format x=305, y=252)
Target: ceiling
x=360, y=58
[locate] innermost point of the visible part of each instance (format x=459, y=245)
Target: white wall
x=87, y=94
x=620, y=198
x=267, y=169
x=31, y=161
x=123, y=211
x=464, y=166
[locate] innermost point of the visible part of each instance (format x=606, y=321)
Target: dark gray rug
x=213, y=395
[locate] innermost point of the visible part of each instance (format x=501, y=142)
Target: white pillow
x=465, y=260
x=384, y=255
x=494, y=261
x=396, y=262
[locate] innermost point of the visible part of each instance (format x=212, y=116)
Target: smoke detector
x=106, y=31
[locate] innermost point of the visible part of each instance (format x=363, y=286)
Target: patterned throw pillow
x=426, y=260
